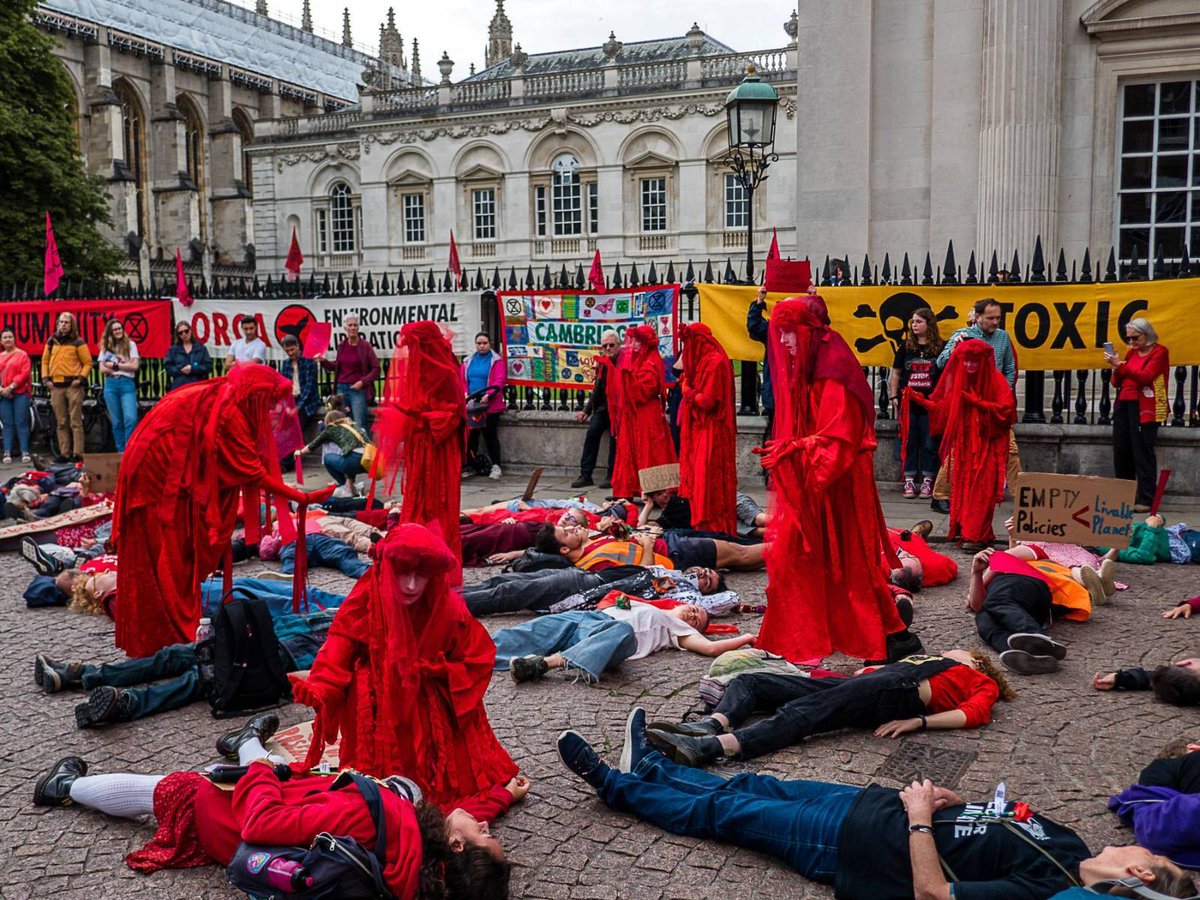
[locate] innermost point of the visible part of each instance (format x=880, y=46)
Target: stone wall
x=554, y=440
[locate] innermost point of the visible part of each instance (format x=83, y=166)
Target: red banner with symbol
x=147, y=322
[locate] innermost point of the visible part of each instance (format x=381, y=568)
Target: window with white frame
x=322, y=231
x=737, y=204
x=342, y=219
x=654, y=204
x=566, y=197
x=414, y=218
x=539, y=210
x=593, y=191
x=1158, y=177
x=483, y=213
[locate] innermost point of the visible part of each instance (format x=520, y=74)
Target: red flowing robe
x=708, y=433
x=644, y=437
x=973, y=412
x=826, y=590
x=181, y=477
x=404, y=683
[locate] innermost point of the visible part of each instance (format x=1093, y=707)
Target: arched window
x=245, y=128
x=133, y=124
x=193, y=145
x=341, y=218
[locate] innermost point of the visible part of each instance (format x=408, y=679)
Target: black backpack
x=333, y=867
x=248, y=670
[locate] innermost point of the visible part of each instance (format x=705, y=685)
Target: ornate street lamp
x=750, y=114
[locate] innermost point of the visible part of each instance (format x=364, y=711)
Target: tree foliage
x=40, y=165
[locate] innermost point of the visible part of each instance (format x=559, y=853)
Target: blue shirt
x=478, y=371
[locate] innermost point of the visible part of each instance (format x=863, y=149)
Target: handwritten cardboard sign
x=1074, y=509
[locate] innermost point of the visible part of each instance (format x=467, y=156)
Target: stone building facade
x=538, y=160
x=990, y=122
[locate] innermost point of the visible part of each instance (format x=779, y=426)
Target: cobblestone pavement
x=1061, y=745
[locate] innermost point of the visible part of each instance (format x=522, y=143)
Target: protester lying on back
x=1148, y=544
x=1163, y=808
x=1177, y=683
x=597, y=549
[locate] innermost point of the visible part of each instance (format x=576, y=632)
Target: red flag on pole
x=455, y=266
x=53, y=269
x=596, y=276
x=773, y=252
x=181, y=285
x=295, y=259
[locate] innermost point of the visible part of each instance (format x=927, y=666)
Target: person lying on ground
x=1149, y=544
x=50, y=559
x=427, y=855
x=1177, y=683
x=1163, y=808
x=934, y=568
x=869, y=843
x=589, y=642
x=1183, y=609
x=506, y=540
x=1012, y=594
x=561, y=590
x=675, y=513
x=590, y=550
x=322, y=550
x=954, y=690
x=1072, y=556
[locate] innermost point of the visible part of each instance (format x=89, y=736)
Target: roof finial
x=306, y=17
x=416, y=64
x=347, y=41
x=261, y=7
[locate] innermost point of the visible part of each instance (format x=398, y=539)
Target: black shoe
x=578, y=756
x=903, y=644
x=940, y=506
x=905, y=608
x=605, y=484
x=54, y=788
x=60, y=460
x=53, y=676
x=688, y=751
x=527, y=668
x=582, y=481
x=103, y=706
x=1028, y=663
x=706, y=727
x=924, y=528
x=636, y=746
x=42, y=561
x=1037, y=644
x=262, y=727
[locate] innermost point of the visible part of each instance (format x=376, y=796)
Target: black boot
x=103, y=706
x=901, y=644
x=687, y=751
x=706, y=727
x=940, y=506
x=53, y=676
x=262, y=727
x=54, y=788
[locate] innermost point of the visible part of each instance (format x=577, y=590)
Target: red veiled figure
x=708, y=432
x=403, y=674
x=189, y=460
x=421, y=431
x=825, y=588
x=644, y=438
x=973, y=409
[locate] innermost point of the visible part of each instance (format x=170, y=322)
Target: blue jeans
x=341, y=468
x=920, y=453
x=590, y=641
x=798, y=822
x=324, y=550
x=14, y=414
x=120, y=396
x=177, y=663
x=276, y=594
x=357, y=402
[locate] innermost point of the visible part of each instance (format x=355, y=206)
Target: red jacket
x=1139, y=373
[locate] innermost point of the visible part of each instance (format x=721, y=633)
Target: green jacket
x=1147, y=546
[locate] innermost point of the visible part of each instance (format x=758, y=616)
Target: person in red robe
x=402, y=676
x=644, y=437
x=421, y=433
x=708, y=432
x=195, y=453
x=973, y=409
x=826, y=590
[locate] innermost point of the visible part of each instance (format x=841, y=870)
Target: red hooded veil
x=825, y=585
x=708, y=432
x=421, y=431
x=404, y=682
x=643, y=437
x=973, y=412
x=186, y=465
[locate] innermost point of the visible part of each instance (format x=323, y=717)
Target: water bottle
x=287, y=875
x=204, y=651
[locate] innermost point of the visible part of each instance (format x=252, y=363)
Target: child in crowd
x=1149, y=544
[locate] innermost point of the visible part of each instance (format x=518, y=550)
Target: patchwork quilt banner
x=552, y=338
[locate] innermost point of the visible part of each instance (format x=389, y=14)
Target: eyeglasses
x=183, y=331
x=1131, y=338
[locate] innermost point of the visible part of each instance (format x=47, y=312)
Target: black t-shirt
x=988, y=860
x=677, y=514
x=918, y=370
x=1029, y=593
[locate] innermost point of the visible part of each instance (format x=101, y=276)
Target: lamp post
x=750, y=114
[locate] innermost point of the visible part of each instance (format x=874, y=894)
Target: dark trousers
x=323, y=550
x=491, y=438
x=1133, y=449
x=808, y=706
x=1181, y=774
x=920, y=453
x=517, y=591
x=998, y=621
x=598, y=424
x=147, y=694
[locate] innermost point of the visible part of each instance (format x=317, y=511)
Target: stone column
x=1019, y=126
x=105, y=151
x=691, y=210
x=230, y=202
x=176, y=209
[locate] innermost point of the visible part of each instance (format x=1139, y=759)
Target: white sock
x=127, y=796
x=252, y=750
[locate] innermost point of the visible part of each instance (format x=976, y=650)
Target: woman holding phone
x=1141, y=383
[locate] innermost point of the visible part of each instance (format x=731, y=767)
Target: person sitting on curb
x=589, y=642
x=1149, y=544
x=869, y=843
x=1177, y=683
x=591, y=550
x=954, y=690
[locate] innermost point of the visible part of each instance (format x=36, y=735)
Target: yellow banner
x=1052, y=326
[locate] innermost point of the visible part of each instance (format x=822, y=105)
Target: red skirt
x=176, y=843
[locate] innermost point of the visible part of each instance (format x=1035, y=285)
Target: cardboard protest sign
x=1074, y=509
x=659, y=478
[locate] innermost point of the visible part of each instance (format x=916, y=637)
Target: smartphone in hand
x=1108, y=348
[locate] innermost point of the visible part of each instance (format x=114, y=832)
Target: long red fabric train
x=708, y=432
x=643, y=438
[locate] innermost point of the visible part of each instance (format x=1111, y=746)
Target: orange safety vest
x=619, y=553
x=1065, y=592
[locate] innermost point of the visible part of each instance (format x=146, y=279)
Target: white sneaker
x=343, y=491
x=361, y=487
x=495, y=473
